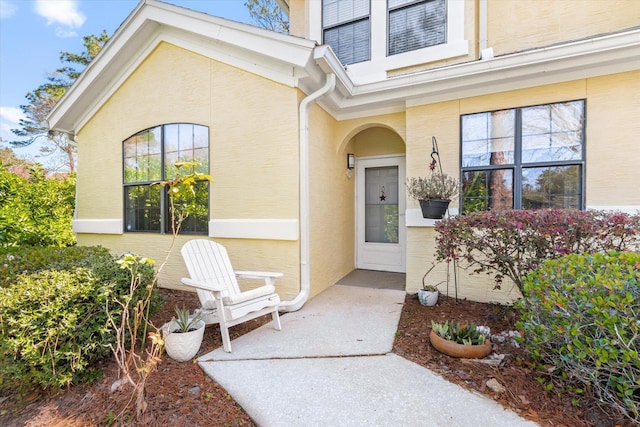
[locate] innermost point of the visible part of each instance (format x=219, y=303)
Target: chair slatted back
x=207, y=260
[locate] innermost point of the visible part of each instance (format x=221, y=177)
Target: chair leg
x=276, y=320
x=226, y=340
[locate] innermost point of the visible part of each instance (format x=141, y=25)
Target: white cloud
x=11, y=114
x=7, y=9
x=64, y=12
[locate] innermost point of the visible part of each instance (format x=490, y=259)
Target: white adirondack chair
x=217, y=287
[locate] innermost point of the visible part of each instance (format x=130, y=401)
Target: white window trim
x=380, y=64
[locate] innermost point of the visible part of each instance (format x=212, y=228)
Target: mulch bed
x=181, y=394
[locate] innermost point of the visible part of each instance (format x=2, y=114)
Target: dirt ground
x=181, y=394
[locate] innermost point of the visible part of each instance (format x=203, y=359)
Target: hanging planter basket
x=453, y=349
x=434, y=208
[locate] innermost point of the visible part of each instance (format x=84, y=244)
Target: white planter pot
x=182, y=346
x=427, y=298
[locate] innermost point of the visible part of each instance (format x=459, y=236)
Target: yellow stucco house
x=512, y=91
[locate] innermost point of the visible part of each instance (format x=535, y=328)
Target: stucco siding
x=612, y=154
x=331, y=195
x=253, y=144
x=244, y=255
x=613, y=146
x=512, y=28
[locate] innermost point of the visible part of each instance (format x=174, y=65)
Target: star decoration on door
x=383, y=196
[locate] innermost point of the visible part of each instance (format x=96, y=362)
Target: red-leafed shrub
x=512, y=243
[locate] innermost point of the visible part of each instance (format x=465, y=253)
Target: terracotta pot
x=454, y=349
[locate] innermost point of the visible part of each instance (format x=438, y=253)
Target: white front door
x=380, y=208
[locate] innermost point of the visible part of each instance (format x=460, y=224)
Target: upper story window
x=416, y=24
x=347, y=30
x=524, y=158
x=375, y=37
x=150, y=157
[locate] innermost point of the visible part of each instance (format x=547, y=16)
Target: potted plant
x=433, y=193
x=183, y=335
x=461, y=339
x=428, y=295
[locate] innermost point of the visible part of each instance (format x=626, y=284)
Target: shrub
x=53, y=321
x=512, y=243
x=37, y=211
x=53, y=328
x=581, y=314
x=23, y=260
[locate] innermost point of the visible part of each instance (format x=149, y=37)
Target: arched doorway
x=380, y=200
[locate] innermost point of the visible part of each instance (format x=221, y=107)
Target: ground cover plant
x=581, y=322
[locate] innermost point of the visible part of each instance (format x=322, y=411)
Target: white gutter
x=305, y=238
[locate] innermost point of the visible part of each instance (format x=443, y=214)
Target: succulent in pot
x=183, y=335
x=461, y=339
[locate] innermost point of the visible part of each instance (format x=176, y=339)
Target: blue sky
x=33, y=33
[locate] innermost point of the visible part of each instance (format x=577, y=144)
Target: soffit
x=597, y=56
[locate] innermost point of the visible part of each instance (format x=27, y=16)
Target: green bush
x=53, y=322
x=581, y=314
x=22, y=260
x=37, y=211
x=53, y=328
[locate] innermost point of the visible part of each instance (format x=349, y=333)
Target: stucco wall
x=253, y=141
x=331, y=204
x=512, y=28
x=612, y=153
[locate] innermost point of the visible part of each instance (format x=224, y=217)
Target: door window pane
x=381, y=204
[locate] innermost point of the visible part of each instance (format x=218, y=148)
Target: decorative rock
x=194, y=390
x=495, y=386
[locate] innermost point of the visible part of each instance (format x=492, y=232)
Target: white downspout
x=305, y=247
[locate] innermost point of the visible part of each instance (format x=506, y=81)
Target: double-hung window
x=150, y=157
x=524, y=158
x=346, y=28
x=416, y=24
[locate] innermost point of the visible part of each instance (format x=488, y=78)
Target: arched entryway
x=380, y=200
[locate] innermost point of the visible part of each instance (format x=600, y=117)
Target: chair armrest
x=268, y=277
x=258, y=274
x=249, y=295
x=205, y=285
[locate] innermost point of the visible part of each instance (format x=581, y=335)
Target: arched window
x=150, y=157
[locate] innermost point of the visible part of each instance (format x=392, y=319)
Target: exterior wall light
x=351, y=163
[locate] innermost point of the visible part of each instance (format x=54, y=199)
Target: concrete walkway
x=331, y=366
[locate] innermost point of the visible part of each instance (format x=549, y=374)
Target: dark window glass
x=347, y=30
x=416, y=24
x=151, y=156
x=524, y=158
